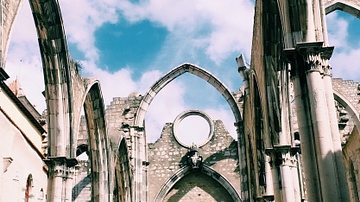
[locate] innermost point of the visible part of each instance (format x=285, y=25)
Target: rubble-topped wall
x=166, y=156
x=350, y=93
x=81, y=192
x=120, y=115
x=349, y=90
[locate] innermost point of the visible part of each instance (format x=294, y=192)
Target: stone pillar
x=283, y=160
x=306, y=137
x=295, y=171
x=275, y=180
x=137, y=161
x=335, y=134
x=318, y=109
x=143, y=164
x=242, y=150
x=60, y=176
x=269, y=192
x=300, y=176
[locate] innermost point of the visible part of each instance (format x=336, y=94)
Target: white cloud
x=337, y=30
x=81, y=19
x=23, y=60
x=168, y=103
x=194, y=26
x=345, y=66
x=218, y=27
x=226, y=116
x=345, y=54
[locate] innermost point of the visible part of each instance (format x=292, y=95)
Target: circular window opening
x=193, y=127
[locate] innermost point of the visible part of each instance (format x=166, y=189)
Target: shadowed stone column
x=320, y=120
x=284, y=165
x=335, y=134
x=269, y=194
x=304, y=127
x=313, y=113
x=138, y=155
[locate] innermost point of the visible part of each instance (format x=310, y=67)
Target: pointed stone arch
x=66, y=93
x=176, y=72
x=98, y=142
x=123, y=175
x=139, y=155
x=182, y=172
x=353, y=114
x=351, y=7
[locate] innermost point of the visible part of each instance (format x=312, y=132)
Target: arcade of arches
x=295, y=124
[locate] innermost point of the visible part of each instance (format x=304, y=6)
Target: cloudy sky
x=128, y=45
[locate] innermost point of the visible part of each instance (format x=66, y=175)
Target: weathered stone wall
x=120, y=115
x=348, y=89
x=81, y=191
x=166, y=156
x=351, y=157
x=198, y=187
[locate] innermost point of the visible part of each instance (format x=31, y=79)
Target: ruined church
x=297, y=135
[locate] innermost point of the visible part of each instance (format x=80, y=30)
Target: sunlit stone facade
x=296, y=126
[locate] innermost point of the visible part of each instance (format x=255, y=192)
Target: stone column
x=275, y=180
x=295, y=171
x=283, y=160
x=137, y=160
x=311, y=54
x=304, y=127
x=300, y=176
x=60, y=176
x=336, y=139
x=244, y=174
x=242, y=150
x=269, y=192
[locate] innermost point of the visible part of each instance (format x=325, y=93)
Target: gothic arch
x=349, y=6
x=176, y=72
x=139, y=156
x=123, y=187
x=63, y=87
x=182, y=172
x=256, y=139
x=354, y=115
x=98, y=142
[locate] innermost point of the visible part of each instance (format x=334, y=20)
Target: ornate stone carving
x=194, y=159
x=326, y=68
x=61, y=166
x=313, y=61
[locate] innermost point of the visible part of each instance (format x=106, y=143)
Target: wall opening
x=198, y=186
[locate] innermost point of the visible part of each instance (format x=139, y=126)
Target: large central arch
x=139, y=157
x=182, y=172
x=176, y=72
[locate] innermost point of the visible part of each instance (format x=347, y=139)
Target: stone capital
x=309, y=57
x=282, y=155
x=61, y=166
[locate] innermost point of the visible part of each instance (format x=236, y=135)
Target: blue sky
x=128, y=45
